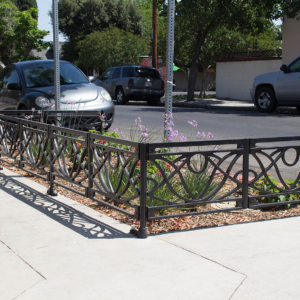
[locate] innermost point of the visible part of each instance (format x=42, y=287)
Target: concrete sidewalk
x=56, y=248
x=214, y=103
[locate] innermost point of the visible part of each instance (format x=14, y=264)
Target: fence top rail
x=79, y=113
x=238, y=142
x=274, y=139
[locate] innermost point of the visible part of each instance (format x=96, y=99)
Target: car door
x=288, y=84
x=10, y=97
x=115, y=80
x=106, y=80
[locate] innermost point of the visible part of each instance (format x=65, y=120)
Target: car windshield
x=145, y=72
x=42, y=74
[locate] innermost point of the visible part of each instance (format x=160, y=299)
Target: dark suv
x=126, y=83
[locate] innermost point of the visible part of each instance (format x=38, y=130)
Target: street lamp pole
x=169, y=62
x=56, y=54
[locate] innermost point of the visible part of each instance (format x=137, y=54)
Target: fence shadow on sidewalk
x=60, y=212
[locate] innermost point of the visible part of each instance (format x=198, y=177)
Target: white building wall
x=234, y=79
x=290, y=40
x=181, y=81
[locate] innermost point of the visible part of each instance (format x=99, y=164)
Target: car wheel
x=265, y=100
x=120, y=96
x=23, y=107
x=153, y=101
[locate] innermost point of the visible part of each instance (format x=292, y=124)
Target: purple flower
x=39, y=112
x=42, y=121
x=102, y=117
x=33, y=109
x=210, y=136
x=142, y=127
x=182, y=138
x=169, y=123
x=216, y=148
x=144, y=135
x=170, y=137
x=138, y=121
x=193, y=123
x=105, y=124
x=169, y=116
x=175, y=133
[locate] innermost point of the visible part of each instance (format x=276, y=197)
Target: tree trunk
x=204, y=83
x=194, y=65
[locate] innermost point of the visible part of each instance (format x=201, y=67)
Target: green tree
x=19, y=32
x=196, y=20
x=7, y=25
x=23, y=5
x=110, y=47
x=80, y=18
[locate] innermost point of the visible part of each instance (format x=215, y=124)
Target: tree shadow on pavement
x=64, y=214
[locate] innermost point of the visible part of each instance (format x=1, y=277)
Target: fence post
x=21, y=146
x=142, y=234
x=90, y=141
x=246, y=173
x=51, y=191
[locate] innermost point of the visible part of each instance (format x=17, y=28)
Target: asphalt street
x=223, y=124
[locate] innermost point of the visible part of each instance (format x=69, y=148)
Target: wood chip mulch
x=179, y=223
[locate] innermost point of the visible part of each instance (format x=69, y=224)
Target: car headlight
x=42, y=101
x=105, y=95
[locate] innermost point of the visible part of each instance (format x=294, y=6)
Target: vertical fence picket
x=90, y=142
x=51, y=191
x=246, y=173
x=143, y=190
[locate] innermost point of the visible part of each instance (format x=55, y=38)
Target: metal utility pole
x=169, y=62
x=56, y=54
x=154, y=34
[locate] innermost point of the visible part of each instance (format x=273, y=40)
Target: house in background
x=236, y=71
x=45, y=53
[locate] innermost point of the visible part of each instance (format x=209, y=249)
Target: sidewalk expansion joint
x=213, y=262
x=204, y=257
x=238, y=287
x=27, y=289
x=24, y=260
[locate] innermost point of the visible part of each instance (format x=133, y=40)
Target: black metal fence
x=149, y=181
x=252, y=54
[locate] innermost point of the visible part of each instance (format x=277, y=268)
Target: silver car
x=126, y=83
x=30, y=85
x=281, y=88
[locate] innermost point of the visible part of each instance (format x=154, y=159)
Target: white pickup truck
x=281, y=88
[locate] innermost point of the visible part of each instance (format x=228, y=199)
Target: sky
x=44, y=20
x=45, y=24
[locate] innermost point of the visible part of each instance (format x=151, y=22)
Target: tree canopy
x=23, y=5
x=19, y=33
x=111, y=47
x=80, y=18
